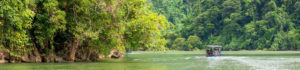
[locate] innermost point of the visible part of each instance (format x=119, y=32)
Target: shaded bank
x=80, y=56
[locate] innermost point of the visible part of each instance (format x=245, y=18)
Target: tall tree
x=15, y=18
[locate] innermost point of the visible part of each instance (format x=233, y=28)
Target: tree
x=237, y=24
x=179, y=44
x=193, y=42
x=78, y=29
x=48, y=21
x=15, y=18
x=145, y=31
x=231, y=6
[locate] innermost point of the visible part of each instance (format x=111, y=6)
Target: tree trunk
x=37, y=55
x=2, y=33
x=73, y=48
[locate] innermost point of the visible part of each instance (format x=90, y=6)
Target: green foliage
x=178, y=44
x=15, y=17
x=234, y=24
x=53, y=26
x=49, y=20
x=145, y=31
x=193, y=42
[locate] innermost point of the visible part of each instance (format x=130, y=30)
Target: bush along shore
x=77, y=30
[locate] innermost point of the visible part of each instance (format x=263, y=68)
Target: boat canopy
x=214, y=46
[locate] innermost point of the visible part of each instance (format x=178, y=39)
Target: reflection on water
x=83, y=66
x=171, y=61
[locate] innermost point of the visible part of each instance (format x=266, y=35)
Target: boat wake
x=255, y=63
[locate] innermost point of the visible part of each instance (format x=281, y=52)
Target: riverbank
x=37, y=57
x=6, y=58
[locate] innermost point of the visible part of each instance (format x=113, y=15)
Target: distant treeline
x=234, y=24
x=78, y=29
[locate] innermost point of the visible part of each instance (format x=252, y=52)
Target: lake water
x=179, y=60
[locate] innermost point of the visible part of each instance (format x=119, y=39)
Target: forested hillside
x=77, y=30
x=234, y=24
x=84, y=30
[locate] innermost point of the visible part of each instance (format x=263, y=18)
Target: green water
x=231, y=60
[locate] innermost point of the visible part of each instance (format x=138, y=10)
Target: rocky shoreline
x=36, y=57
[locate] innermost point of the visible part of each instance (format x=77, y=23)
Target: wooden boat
x=213, y=50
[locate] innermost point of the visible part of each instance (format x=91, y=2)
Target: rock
x=15, y=59
x=26, y=58
x=101, y=56
x=59, y=59
x=94, y=56
x=37, y=55
x=35, y=59
x=3, y=56
x=114, y=53
x=31, y=57
x=47, y=58
x=2, y=60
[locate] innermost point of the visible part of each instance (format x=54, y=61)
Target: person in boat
x=210, y=52
x=207, y=52
x=217, y=51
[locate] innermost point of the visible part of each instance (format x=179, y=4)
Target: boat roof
x=214, y=46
